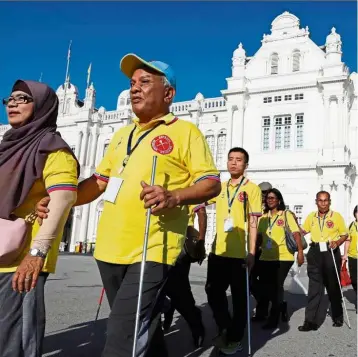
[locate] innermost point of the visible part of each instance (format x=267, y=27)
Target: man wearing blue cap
x=185, y=175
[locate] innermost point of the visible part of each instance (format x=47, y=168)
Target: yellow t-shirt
x=60, y=173
x=183, y=158
x=353, y=235
x=325, y=229
x=273, y=236
x=232, y=243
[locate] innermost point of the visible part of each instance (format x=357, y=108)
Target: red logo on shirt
x=241, y=196
x=162, y=144
x=329, y=224
x=280, y=222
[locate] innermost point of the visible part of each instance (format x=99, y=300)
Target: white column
x=94, y=148
x=78, y=144
x=84, y=147
x=84, y=225
x=326, y=123
x=74, y=229
x=237, y=127
x=230, y=128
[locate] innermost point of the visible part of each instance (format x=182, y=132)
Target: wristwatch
x=34, y=252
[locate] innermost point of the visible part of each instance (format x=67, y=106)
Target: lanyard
x=230, y=202
x=129, y=144
x=271, y=225
x=321, y=227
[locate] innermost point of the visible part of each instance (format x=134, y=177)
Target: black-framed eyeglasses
x=18, y=99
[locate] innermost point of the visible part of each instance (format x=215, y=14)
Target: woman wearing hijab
x=34, y=161
x=276, y=260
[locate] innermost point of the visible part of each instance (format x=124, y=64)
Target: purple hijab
x=23, y=151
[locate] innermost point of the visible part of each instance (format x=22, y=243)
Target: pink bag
x=13, y=234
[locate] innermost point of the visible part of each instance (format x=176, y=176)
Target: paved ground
x=72, y=296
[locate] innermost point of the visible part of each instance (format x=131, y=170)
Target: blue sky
x=196, y=38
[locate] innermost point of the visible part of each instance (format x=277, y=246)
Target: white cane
x=247, y=279
x=340, y=288
x=142, y=267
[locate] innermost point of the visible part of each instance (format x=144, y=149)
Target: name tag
x=323, y=247
x=228, y=224
x=113, y=187
x=269, y=244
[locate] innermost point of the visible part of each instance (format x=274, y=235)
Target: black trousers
x=352, y=266
x=121, y=283
x=272, y=277
x=222, y=273
x=178, y=289
x=322, y=274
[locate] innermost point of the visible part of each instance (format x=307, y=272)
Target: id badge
x=269, y=244
x=112, y=189
x=228, y=224
x=322, y=246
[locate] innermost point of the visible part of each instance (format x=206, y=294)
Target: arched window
x=67, y=107
x=210, y=138
x=221, y=148
x=296, y=56
x=274, y=63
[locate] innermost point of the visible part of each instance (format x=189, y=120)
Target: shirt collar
x=229, y=183
x=168, y=119
x=279, y=213
x=329, y=214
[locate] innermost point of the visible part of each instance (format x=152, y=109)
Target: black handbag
x=290, y=239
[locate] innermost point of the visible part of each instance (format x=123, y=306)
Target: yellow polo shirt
x=59, y=173
x=353, y=236
x=232, y=244
x=273, y=236
x=184, y=158
x=325, y=229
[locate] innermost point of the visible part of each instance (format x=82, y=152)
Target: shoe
x=337, y=322
x=198, y=337
x=231, y=348
x=284, y=313
x=221, y=339
x=308, y=326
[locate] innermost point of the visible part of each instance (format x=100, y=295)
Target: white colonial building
x=292, y=105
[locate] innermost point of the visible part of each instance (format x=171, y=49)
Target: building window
x=278, y=98
x=287, y=133
x=296, y=60
x=299, y=96
x=211, y=229
x=105, y=147
x=267, y=99
x=221, y=148
x=299, y=131
x=283, y=132
x=274, y=63
x=210, y=139
x=266, y=133
x=288, y=97
x=298, y=212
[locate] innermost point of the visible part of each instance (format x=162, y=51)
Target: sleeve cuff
x=63, y=187
x=197, y=208
x=208, y=177
x=255, y=214
x=101, y=177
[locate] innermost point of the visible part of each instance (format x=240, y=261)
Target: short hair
x=278, y=194
x=355, y=210
x=243, y=151
x=323, y=193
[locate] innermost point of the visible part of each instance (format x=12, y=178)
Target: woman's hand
x=300, y=258
x=27, y=273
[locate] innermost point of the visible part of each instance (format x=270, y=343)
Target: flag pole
x=67, y=74
x=89, y=74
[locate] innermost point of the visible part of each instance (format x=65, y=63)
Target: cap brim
x=131, y=62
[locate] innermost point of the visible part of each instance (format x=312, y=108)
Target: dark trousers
x=272, y=278
x=22, y=318
x=222, y=273
x=322, y=274
x=121, y=283
x=178, y=289
x=352, y=266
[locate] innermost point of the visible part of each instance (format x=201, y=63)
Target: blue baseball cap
x=131, y=62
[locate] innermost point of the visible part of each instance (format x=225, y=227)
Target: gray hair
x=166, y=82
